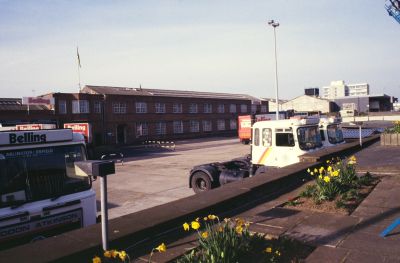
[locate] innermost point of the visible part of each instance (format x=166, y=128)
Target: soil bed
x=338, y=206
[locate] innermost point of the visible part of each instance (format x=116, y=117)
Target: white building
x=361, y=89
x=306, y=103
x=338, y=89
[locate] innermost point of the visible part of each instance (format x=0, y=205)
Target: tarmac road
x=154, y=176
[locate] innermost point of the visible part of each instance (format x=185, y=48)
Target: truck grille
x=46, y=186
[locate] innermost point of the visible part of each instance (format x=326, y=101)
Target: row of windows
x=178, y=126
x=82, y=106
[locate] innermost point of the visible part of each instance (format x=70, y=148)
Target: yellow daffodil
x=161, y=248
x=327, y=179
x=205, y=218
x=220, y=229
x=329, y=169
x=96, y=259
x=327, y=161
x=212, y=217
x=107, y=254
x=312, y=173
x=186, y=226
x=320, y=177
x=122, y=255
x=308, y=170
x=268, y=250
x=321, y=169
x=278, y=253
x=197, y=219
x=335, y=173
x=247, y=224
x=204, y=234
x=239, y=222
x=352, y=160
x=195, y=225
x=315, y=170
x=239, y=229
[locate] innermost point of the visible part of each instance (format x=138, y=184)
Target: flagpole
x=79, y=70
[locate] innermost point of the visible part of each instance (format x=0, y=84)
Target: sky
x=208, y=45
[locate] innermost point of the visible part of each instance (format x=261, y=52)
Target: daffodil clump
x=336, y=178
x=112, y=256
x=228, y=240
x=395, y=128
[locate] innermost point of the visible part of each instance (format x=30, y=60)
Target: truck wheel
x=200, y=182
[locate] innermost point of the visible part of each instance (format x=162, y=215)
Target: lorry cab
x=280, y=143
x=331, y=133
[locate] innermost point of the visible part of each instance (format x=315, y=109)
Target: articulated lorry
x=274, y=144
x=42, y=192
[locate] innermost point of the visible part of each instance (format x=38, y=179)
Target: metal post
x=104, y=212
x=360, y=136
x=274, y=25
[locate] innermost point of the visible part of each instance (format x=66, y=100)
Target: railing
x=160, y=144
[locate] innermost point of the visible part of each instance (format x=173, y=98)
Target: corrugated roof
x=15, y=104
x=165, y=93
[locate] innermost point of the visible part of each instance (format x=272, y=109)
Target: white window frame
x=207, y=125
x=97, y=106
x=141, y=129
x=243, y=108
x=233, y=124
x=80, y=106
x=193, y=108
x=221, y=125
x=160, y=107
x=194, y=126
x=178, y=127
x=221, y=108
x=119, y=107
x=177, y=108
x=62, y=107
x=232, y=108
x=141, y=107
x=207, y=108
x=161, y=128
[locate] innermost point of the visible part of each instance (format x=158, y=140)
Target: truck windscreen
x=28, y=175
x=309, y=137
x=335, y=134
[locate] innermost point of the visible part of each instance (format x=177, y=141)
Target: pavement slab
x=327, y=255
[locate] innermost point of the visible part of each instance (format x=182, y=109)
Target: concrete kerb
x=133, y=228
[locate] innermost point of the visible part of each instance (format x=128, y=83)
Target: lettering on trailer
x=41, y=224
x=27, y=137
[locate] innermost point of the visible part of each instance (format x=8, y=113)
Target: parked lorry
x=274, y=144
x=42, y=192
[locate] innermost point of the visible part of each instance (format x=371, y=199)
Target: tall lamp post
x=275, y=24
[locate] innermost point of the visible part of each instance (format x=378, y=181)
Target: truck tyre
x=200, y=182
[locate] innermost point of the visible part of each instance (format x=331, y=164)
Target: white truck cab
x=280, y=143
x=42, y=192
x=331, y=133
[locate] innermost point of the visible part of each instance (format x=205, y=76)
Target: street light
x=275, y=24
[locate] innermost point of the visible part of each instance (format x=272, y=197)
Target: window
x=178, y=127
x=232, y=108
x=194, y=126
x=309, y=138
x=253, y=108
x=141, y=129
x=207, y=108
x=266, y=137
x=177, y=108
x=193, y=108
x=207, y=126
x=161, y=128
x=284, y=139
x=141, y=107
x=160, y=107
x=263, y=108
x=119, y=107
x=97, y=106
x=233, y=124
x=62, y=107
x=243, y=108
x=221, y=108
x=80, y=106
x=256, y=137
x=221, y=125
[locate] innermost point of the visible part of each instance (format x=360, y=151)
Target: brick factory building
x=121, y=115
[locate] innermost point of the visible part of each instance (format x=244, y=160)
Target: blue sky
x=221, y=46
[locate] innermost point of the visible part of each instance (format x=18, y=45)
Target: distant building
x=306, y=103
x=312, y=92
x=367, y=103
x=338, y=89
